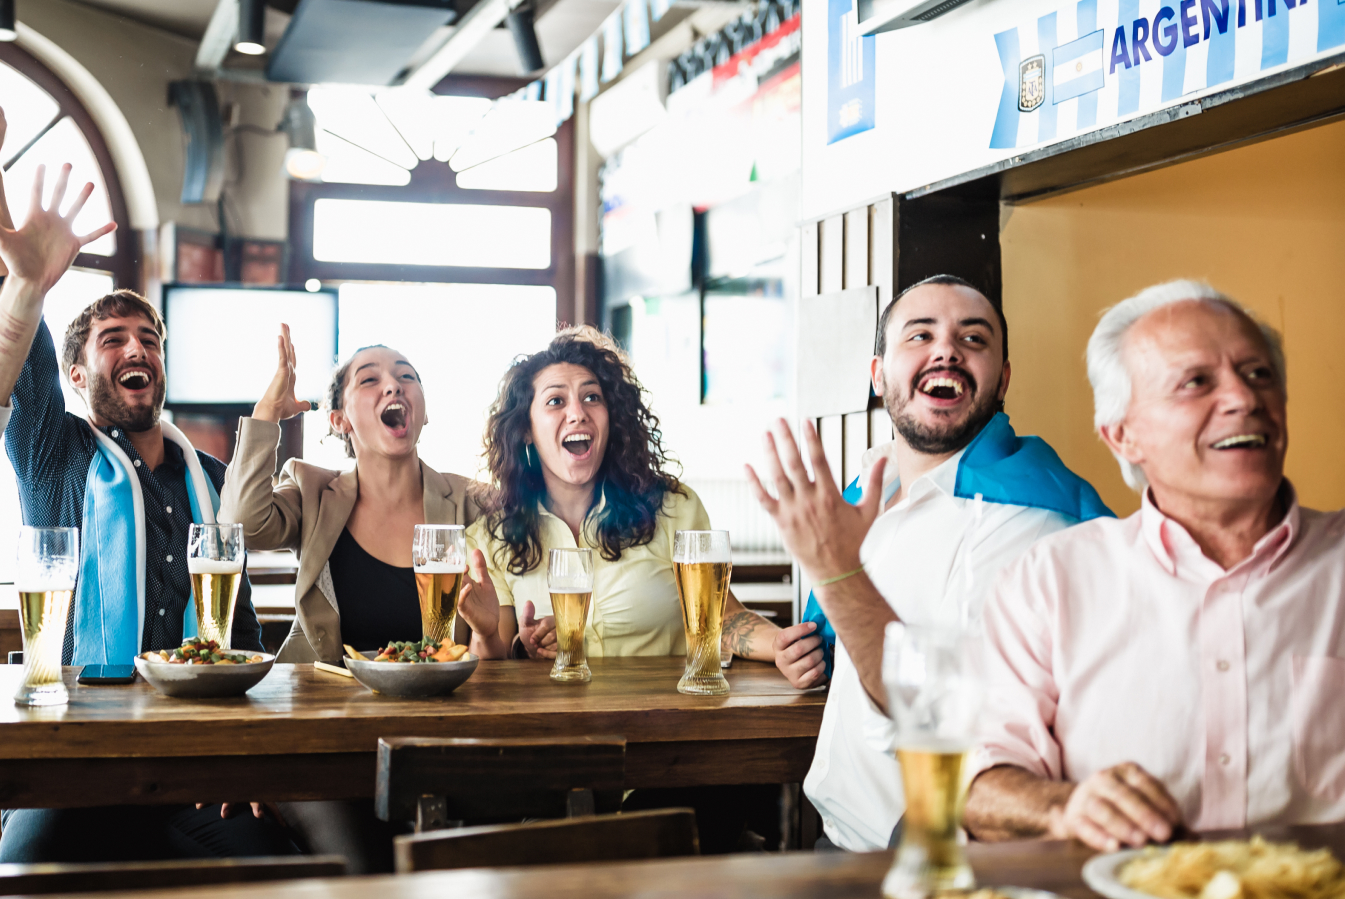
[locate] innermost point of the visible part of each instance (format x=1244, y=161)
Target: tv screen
x=222, y=341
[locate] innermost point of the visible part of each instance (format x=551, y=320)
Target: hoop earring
x=530, y=457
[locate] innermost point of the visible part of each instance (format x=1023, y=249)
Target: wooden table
x=306, y=734
x=1049, y=866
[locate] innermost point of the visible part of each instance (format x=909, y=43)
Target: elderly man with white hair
x=1184, y=666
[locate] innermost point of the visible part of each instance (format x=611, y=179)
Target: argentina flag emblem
x=1031, y=83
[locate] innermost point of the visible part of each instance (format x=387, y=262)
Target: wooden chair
x=662, y=833
x=432, y=781
x=80, y=878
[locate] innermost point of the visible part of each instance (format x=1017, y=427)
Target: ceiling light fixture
x=522, y=26
x=303, y=162
x=8, y=28
x=251, y=27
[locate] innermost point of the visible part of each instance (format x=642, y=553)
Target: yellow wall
x=1263, y=223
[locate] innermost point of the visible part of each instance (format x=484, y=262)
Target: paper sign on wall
x=835, y=346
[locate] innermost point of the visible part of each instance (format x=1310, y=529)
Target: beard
x=948, y=435
x=107, y=404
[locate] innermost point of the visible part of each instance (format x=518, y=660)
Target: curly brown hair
x=633, y=476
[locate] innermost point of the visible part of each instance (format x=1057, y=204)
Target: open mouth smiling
x=1241, y=442
x=577, y=444
x=135, y=379
x=945, y=385
x=394, y=415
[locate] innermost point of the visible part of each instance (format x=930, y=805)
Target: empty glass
x=48, y=564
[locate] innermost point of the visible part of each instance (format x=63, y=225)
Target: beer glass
x=215, y=563
x=934, y=692
x=439, y=558
x=569, y=578
x=702, y=565
x=48, y=562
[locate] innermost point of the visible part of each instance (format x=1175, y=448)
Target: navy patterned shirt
x=51, y=450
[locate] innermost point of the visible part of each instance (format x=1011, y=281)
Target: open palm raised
x=40, y=252
x=279, y=402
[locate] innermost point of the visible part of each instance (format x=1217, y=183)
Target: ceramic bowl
x=204, y=681
x=416, y=680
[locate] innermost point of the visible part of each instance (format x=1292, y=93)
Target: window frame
x=124, y=264
x=433, y=181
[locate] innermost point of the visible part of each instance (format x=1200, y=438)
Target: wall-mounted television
x=221, y=346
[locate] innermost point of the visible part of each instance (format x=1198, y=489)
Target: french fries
x=1236, y=869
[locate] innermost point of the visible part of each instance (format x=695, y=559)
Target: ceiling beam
x=469, y=31
x=219, y=36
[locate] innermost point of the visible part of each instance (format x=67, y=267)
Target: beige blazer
x=305, y=510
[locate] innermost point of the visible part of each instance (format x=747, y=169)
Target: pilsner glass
x=439, y=558
x=569, y=578
x=702, y=564
x=48, y=563
x=215, y=563
x=934, y=689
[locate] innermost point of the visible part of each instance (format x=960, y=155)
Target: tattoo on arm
x=738, y=631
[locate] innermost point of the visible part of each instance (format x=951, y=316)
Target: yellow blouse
x=635, y=607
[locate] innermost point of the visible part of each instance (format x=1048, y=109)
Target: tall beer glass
x=215, y=563
x=439, y=557
x=702, y=564
x=569, y=578
x=934, y=689
x=48, y=563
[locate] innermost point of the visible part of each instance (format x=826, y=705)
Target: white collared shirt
x=4, y=417
x=916, y=555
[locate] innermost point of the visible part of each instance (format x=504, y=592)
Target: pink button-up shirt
x=1119, y=640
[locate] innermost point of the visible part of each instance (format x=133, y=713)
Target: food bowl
x=204, y=681
x=408, y=680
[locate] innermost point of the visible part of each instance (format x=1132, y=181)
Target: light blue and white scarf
x=110, y=597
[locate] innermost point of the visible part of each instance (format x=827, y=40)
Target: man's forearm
x=859, y=615
x=1010, y=803
x=746, y=634
x=20, y=314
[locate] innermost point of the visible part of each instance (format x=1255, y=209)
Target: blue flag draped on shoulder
x=1004, y=468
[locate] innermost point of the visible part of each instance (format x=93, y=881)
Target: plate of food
x=997, y=893
x=1224, y=869
x=202, y=669
x=412, y=670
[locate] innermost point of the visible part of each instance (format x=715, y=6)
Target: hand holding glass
x=48, y=562
x=569, y=578
x=215, y=563
x=702, y=566
x=934, y=694
x=439, y=557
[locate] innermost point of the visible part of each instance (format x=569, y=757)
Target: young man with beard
x=955, y=485
x=132, y=485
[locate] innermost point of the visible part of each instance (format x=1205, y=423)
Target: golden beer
x=215, y=584
x=930, y=857
x=571, y=611
x=438, y=585
x=42, y=615
x=702, y=589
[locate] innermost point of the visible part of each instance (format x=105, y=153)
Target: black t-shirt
x=378, y=601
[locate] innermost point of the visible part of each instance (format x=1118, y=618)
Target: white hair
x=1106, y=366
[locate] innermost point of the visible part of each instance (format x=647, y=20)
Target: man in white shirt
x=902, y=552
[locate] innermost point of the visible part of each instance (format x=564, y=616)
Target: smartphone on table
x=101, y=675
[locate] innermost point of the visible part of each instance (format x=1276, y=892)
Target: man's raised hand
x=820, y=529
x=42, y=250
x=279, y=402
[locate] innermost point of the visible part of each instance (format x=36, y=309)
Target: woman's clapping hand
x=279, y=402
x=539, y=637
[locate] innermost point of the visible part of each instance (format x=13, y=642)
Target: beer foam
x=51, y=585
x=213, y=566
x=441, y=568
x=693, y=554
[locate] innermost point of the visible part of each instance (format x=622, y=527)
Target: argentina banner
x=1094, y=62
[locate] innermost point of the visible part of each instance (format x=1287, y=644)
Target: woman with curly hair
x=577, y=460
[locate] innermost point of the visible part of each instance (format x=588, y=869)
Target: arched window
x=48, y=125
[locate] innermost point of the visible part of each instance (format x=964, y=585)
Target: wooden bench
x=432, y=781
x=662, y=833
